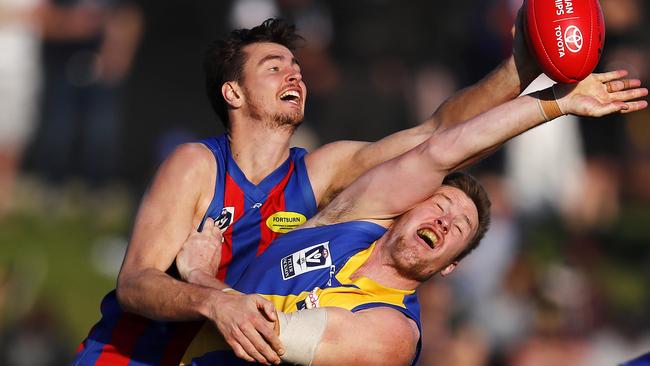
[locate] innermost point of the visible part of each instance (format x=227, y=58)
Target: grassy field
x=46, y=262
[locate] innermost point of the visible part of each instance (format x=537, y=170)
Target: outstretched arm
x=335, y=166
x=417, y=173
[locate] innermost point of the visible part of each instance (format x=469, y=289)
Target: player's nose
x=294, y=76
x=443, y=224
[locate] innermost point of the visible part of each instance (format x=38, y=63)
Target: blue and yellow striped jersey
x=309, y=268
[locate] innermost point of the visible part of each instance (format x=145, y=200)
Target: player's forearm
x=458, y=145
x=202, y=278
x=504, y=83
x=155, y=295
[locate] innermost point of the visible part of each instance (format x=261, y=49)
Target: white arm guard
x=300, y=333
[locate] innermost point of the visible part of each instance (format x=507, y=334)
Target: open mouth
x=290, y=96
x=428, y=236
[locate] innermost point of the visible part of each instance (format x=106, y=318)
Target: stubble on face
x=254, y=110
x=408, y=262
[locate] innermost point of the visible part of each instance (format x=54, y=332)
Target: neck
x=380, y=268
x=258, y=149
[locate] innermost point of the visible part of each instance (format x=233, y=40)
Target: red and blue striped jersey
x=254, y=215
x=250, y=215
x=311, y=268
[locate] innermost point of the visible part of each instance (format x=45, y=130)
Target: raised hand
x=601, y=94
x=198, y=259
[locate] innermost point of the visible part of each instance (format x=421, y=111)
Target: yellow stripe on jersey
x=207, y=339
x=364, y=291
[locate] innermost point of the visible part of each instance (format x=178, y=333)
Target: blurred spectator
x=38, y=339
x=545, y=167
x=165, y=93
x=480, y=277
x=19, y=83
x=249, y=13
x=320, y=71
x=88, y=50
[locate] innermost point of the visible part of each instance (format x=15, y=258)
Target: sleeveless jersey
x=250, y=216
x=310, y=268
x=643, y=360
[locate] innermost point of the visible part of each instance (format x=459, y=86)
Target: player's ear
x=232, y=94
x=450, y=268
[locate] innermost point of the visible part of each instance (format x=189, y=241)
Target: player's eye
x=440, y=207
x=274, y=68
x=459, y=230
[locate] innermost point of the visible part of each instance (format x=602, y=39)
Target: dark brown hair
x=224, y=59
x=475, y=191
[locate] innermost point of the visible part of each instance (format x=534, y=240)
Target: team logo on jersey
x=226, y=217
x=310, y=302
x=306, y=260
x=285, y=221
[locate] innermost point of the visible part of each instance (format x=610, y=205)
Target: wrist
x=561, y=93
x=208, y=302
x=548, y=104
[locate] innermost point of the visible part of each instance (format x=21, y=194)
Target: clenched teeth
x=428, y=236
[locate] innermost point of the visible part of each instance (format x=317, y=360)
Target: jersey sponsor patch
x=306, y=260
x=284, y=221
x=310, y=302
x=225, y=218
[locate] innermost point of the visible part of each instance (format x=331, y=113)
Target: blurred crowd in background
x=95, y=93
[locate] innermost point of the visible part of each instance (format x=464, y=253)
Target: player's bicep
x=335, y=166
x=388, y=189
x=330, y=170
x=378, y=336
x=171, y=208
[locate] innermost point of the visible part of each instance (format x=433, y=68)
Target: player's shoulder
x=194, y=154
x=390, y=315
x=190, y=161
x=327, y=164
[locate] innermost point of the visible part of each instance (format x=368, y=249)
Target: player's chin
x=293, y=119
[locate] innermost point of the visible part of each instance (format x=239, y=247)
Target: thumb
x=217, y=232
x=207, y=224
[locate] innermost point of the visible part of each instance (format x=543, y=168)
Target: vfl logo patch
x=225, y=218
x=306, y=260
x=284, y=221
